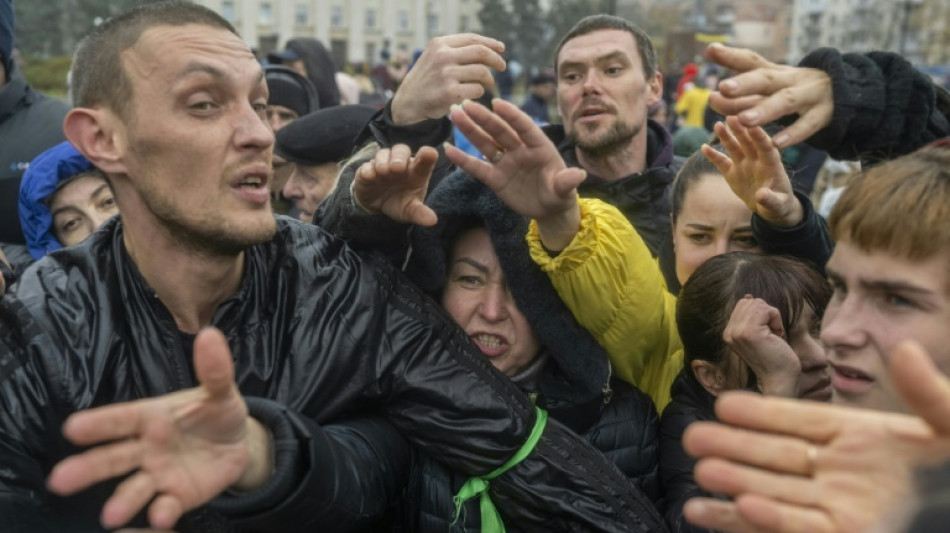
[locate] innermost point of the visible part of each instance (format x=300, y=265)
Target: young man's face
x=880, y=300
x=198, y=144
x=602, y=93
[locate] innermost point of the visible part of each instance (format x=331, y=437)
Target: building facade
x=355, y=31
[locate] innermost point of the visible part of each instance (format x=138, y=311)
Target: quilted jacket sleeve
x=612, y=284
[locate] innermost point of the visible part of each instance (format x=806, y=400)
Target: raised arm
x=854, y=106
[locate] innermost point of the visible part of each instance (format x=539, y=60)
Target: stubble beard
x=615, y=139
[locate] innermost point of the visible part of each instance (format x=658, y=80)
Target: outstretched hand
x=796, y=467
x=764, y=92
x=756, y=334
x=753, y=168
x=394, y=183
x=451, y=69
x=181, y=449
x=522, y=166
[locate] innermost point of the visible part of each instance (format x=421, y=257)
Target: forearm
x=336, y=477
x=810, y=240
x=613, y=286
x=883, y=106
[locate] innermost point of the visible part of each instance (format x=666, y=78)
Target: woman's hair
x=695, y=166
x=711, y=293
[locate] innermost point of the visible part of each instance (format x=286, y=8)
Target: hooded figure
x=317, y=62
x=570, y=377
x=42, y=179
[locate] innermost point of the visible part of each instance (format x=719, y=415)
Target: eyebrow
x=473, y=263
x=216, y=73
x=63, y=210
x=98, y=190
x=882, y=285
x=617, y=54
x=696, y=225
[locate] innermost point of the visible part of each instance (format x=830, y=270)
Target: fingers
x=478, y=168
x=214, y=367
x=165, y=511
x=737, y=106
x=128, y=499
x=488, y=131
x=716, y=514
x=737, y=59
x=779, y=517
x=922, y=385
x=807, y=420
x=78, y=472
x=776, y=453
x=720, y=160
x=719, y=476
x=459, y=40
x=567, y=181
x=808, y=123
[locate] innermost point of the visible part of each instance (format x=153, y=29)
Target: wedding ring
x=496, y=157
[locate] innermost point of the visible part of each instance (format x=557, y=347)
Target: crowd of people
x=234, y=301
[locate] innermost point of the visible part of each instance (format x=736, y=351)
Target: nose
x=253, y=130
x=293, y=188
x=591, y=82
x=724, y=245
x=494, y=304
x=841, y=326
x=813, y=356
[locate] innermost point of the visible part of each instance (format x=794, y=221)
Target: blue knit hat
x=6, y=34
x=40, y=181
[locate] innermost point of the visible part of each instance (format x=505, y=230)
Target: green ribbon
x=478, y=485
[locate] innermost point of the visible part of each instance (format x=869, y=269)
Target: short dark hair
x=695, y=166
x=709, y=296
x=594, y=23
x=97, y=75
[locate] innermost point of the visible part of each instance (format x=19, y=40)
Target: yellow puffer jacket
x=614, y=287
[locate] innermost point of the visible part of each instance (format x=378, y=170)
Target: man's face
x=197, y=147
x=602, y=93
x=309, y=185
x=880, y=300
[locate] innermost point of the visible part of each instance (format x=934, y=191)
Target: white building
x=354, y=30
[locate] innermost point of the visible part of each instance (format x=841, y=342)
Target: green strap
x=478, y=485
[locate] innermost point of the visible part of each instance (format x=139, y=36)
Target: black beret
x=324, y=136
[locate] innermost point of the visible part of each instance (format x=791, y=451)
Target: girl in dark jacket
x=747, y=321
x=477, y=261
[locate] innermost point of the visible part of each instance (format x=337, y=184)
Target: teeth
x=488, y=341
x=253, y=181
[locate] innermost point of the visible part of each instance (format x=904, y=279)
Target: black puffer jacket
x=690, y=403
x=322, y=332
x=30, y=122
x=574, y=383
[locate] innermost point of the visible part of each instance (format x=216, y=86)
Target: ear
x=92, y=132
x=709, y=376
x=655, y=88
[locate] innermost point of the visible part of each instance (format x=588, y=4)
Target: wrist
x=791, y=215
x=403, y=114
x=556, y=232
x=784, y=386
x=260, y=463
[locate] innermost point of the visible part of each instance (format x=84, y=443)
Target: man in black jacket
x=317, y=334
x=30, y=122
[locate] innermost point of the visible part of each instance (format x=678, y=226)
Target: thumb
x=567, y=181
x=213, y=364
x=925, y=389
x=420, y=214
x=768, y=199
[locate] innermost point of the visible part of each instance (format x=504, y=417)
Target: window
x=227, y=11
x=301, y=15
x=403, y=20
x=336, y=16
x=370, y=18
x=265, y=13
